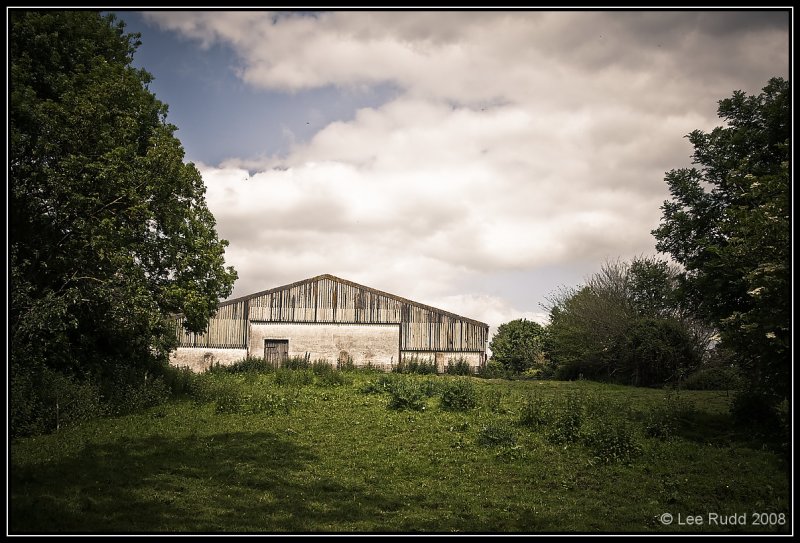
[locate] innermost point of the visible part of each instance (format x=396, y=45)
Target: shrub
x=43, y=400
x=537, y=412
x=179, y=380
x=367, y=368
x=346, y=363
x=492, y=370
x=663, y=420
x=333, y=378
x=202, y=388
x=753, y=409
x=458, y=367
x=593, y=368
x=293, y=377
x=384, y=383
x=269, y=404
x=150, y=393
x=431, y=386
x=654, y=351
x=565, y=424
x=497, y=434
x=714, y=378
x=297, y=362
x=459, y=395
x=321, y=367
x=407, y=394
x=128, y=389
x=416, y=365
x=493, y=399
x=611, y=439
x=250, y=364
x=228, y=399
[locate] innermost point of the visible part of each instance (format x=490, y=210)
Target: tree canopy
x=109, y=231
x=625, y=325
x=728, y=223
x=519, y=345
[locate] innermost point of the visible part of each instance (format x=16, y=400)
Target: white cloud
x=517, y=141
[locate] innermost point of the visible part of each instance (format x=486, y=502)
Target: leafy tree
x=728, y=224
x=601, y=329
x=519, y=345
x=654, y=351
x=109, y=231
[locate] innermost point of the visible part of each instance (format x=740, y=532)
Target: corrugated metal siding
x=326, y=299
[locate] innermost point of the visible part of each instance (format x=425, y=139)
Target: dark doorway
x=276, y=351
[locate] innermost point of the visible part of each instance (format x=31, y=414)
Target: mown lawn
x=294, y=452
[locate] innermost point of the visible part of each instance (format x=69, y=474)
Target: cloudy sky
x=473, y=161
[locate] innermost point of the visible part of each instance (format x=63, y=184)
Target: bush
x=269, y=404
x=458, y=367
x=654, y=352
x=228, y=399
x=333, y=378
x=202, y=388
x=492, y=370
x=431, y=386
x=297, y=362
x=293, y=377
x=384, y=383
x=407, y=394
x=250, y=364
x=416, y=365
x=753, y=409
x=611, y=439
x=321, y=367
x=346, y=364
x=128, y=389
x=565, y=424
x=459, y=395
x=150, y=393
x=593, y=368
x=179, y=380
x=43, y=400
x=714, y=378
x=663, y=420
x=537, y=412
x=493, y=399
x=497, y=434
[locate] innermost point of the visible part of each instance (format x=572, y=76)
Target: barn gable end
x=331, y=318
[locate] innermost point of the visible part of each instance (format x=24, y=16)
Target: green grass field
x=297, y=452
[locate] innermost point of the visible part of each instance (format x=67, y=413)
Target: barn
x=331, y=319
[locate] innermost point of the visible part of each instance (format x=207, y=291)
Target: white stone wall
x=199, y=359
x=375, y=344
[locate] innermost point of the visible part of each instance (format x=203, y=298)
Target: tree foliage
x=728, y=224
x=109, y=231
x=519, y=345
x=625, y=325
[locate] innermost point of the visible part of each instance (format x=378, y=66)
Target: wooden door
x=276, y=351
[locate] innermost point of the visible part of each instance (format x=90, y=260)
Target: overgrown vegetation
x=416, y=364
x=292, y=454
x=109, y=235
x=519, y=345
x=458, y=366
x=109, y=232
x=625, y=326
x=728, y=223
